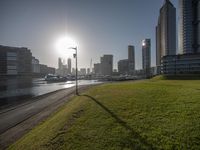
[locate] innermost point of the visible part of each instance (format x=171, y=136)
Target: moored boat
x=54, y=78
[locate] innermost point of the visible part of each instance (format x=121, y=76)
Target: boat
x=54, y=78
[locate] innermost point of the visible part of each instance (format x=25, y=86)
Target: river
x=15, y=90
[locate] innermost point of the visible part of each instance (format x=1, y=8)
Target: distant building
x=88, y=70
x=123, y=66
x=35, y=66
x=166, y=32
x=69, y=63
x=73, y=71
x=107, y=65
x=97, y=69
x=60, y=63
x=181, y=64
x=44, y=70
x=146, y=56
x=51, y=70
x=115, y=70
x=189, y=26
x=82, y=71
x=15, y=61
x=131, y=58
x=92, y=70
x=60, y=70
x=64, y=69
x=127, y=66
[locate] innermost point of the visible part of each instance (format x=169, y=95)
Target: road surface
x=18, y=120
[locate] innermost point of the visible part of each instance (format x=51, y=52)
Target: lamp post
x=75, y=48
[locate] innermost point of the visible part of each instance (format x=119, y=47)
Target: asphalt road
x=16, y=121
x=15, y=115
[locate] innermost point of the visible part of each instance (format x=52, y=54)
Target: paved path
x=18, y=120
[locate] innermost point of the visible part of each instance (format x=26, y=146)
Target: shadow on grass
x=122, y=123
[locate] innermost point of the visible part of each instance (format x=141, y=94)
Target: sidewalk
x=21, y=119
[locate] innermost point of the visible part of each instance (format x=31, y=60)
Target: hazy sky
x=98, y=26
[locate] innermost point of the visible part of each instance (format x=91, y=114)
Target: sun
x=63, y=44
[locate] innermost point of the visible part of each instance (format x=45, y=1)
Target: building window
x=11, y=54
x=11, y=58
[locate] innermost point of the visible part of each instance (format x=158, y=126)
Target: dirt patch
x=58, y=139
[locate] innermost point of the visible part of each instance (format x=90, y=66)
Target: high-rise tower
x=106, y=65
x=166, y=32
x=69, y=64
x=60, y=63
x=146, y=56
x=131, y=58
x=189, y=26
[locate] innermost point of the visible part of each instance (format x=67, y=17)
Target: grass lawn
x=151, y=114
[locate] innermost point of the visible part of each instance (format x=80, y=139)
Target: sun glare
x=143, y=43
x=63, y=45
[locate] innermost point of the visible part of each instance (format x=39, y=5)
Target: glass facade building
x=189, y=26
x=166, y=32
x=146, y=56
x=181, y=64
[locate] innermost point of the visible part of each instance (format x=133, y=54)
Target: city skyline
x=104, y=32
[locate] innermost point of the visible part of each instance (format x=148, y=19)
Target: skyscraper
x=166, y=32
x=146, y=56
x=189, y=26
x=107, y=65
x=60, y=63
x=97, y=68
x=88, y=71
x=69, y=63
x=123, y=66
x=131, y=58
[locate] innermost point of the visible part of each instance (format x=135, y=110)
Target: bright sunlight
x=63, y=45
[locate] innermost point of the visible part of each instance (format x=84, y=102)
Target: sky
x=98, y=27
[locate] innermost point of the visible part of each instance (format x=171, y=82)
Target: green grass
x=153, y=114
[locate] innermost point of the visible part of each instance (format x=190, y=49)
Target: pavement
x=18, y=120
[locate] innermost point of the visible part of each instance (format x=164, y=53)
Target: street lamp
x=75, y=55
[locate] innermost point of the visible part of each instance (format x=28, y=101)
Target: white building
x=35, y=65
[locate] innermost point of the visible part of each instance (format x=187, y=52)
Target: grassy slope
x=148, y=114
